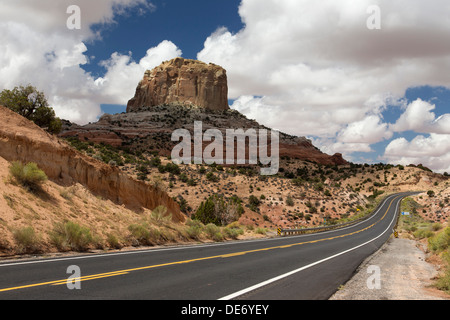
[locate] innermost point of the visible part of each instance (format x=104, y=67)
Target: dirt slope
x=22, y=140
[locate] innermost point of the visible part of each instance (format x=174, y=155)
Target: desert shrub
x=71, y=236
x=219, y=210
x=194, y=229
x=211, y=177
x=27, y=240
x=441, y=241
x=159, y=215
x=254, y=203
x=233, y=230
x=423, y=233
x=155, y=162
x=262, y=231
x=206, y=213
x=170, y=167
x=140, y=234
x=213, y=232
x=436, y=226
x=443, y=282
x=113, y=241
x=29, y=175
x=289, y=201
x=158, y=184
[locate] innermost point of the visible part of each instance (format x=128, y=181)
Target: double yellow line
x=127, y=271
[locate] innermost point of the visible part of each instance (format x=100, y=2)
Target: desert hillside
x=101, y=196
x=302, y=194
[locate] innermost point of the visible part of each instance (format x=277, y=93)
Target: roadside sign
x=279, y=231
x=405, y=213
x=395, y=233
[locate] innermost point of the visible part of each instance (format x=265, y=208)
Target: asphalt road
x=307, y=267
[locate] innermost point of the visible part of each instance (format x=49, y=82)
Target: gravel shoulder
x=403, y=271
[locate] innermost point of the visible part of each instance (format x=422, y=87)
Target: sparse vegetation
x=71, y=236
x=27, y=240
x=29, y=175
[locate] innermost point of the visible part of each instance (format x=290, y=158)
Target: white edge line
x=262, y=284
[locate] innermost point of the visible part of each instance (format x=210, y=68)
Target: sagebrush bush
x=27, y=240
x=140, y=234
x=71, y=236
x=159, y=215
x=113, y=241
x=441, y=241
x=28, y=175
x=145, y=235
x=195, y=228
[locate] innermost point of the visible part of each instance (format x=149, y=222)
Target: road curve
x=306, y=267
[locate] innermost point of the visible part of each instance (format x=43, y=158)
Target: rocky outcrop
x=22, y=140
x=173, y=96
x=152, y=128
x=183, y=82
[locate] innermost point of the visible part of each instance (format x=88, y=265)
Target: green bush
x=31, y=104
x=213, y=232
x=159, y=215
x=423, y=233
x=113, y=241
x=233, y=230
x=254, y=203
x=260, y=230
x=71, y=236
x=289, y=201
x=219, y=211
x=140, y=234
x=211, y=177
x=441, y=241
x=206, y=213
x=194, y=229
x=27, y=240
x=29, y=175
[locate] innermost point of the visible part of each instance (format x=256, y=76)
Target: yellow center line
x=126, y=271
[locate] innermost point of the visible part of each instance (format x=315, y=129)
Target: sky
x=365, y=78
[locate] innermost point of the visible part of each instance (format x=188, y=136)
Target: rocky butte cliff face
x=173, y=96
x=182, y=82
x=22, y=140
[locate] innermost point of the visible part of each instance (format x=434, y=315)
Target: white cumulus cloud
x=313, y=68
x=432, y=151
x=420, y=118
x=37, y=48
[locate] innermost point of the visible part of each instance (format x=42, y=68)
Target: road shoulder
x=403, y=272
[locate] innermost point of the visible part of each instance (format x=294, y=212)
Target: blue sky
x=309, y=68
x=187, y=24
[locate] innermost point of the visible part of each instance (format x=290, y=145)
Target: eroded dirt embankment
x=22, y=140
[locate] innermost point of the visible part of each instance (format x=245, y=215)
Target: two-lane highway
x=299, y=267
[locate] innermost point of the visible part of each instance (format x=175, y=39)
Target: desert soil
x=405, y=274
